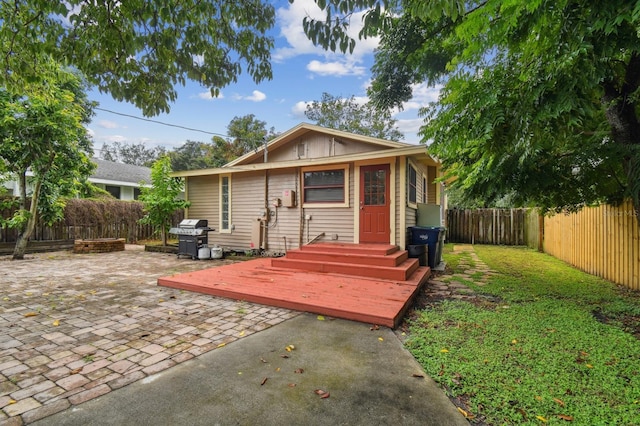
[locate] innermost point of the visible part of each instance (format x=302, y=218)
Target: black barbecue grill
x=192, y=235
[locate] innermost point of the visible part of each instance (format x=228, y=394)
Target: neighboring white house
x=121, y=180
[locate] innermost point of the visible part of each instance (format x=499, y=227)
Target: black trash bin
x=433, y=237
x=419, y=251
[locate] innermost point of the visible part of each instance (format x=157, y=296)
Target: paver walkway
x=75, y=327
x=452, y=286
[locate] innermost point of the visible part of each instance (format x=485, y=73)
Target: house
x=122, y=181
x=314, y=184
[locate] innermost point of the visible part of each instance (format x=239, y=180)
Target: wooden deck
x=330, y=286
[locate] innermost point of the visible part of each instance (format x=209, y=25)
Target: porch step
x=367, y=249
x=354, y=257
x=401, y=272
x=381, y=261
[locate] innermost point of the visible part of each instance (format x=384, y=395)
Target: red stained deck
x=316, y=283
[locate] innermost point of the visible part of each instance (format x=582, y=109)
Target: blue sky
x=301, y=73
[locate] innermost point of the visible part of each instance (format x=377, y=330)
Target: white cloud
x=423, y=95
x=410, y=125
x=299, y=108
x=335, y=68
x=290, y=19
x=207, y=96
x=107, y=124
x=256, y=96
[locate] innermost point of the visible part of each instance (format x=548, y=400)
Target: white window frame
x=345, y=202
x=224, y=230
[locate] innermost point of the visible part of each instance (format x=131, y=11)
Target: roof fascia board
x=116, y=182
x=413, y=150
x=303, y=128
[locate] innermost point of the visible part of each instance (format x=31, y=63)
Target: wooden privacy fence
x=487, y=226
x=603, y=240
x=91, y=219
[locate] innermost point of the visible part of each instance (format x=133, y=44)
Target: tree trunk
x=27, y=230
x=163, y=233
x=620, y=109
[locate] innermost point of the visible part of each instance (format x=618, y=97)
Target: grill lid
x=194, y=223
x=188, y=231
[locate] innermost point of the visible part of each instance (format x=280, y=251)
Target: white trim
x=117, y=183
x=345, y=203
x=223, y=230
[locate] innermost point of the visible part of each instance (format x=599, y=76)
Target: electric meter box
x=288, y=198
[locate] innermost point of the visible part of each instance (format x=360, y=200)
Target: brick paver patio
x=75, y=327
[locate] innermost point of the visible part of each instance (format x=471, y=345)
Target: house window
x=225, y=203
x=325, y=187
x=136, y=193
x=113, y=190
x=412, y=183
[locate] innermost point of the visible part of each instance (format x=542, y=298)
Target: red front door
x=374, y=204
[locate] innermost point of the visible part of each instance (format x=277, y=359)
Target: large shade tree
x=43, y=142
x=193, y=155
x=336, y=112
x=246, y=134
x=539, y=100
x=137, y=154
x=138, y=50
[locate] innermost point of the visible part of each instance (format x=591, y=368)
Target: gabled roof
x=109, y=171
x=417, y=152
x=303, y=128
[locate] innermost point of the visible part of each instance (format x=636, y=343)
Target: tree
x=346, y=114
x=138, y=50
x=137, y=154
x=42, y=134
x=539, y=99
x=247, y=134
x=161, y=199
x=193, y=155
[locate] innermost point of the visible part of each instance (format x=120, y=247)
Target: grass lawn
x=543, y=344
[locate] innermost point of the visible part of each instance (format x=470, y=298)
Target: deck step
x=364, y=249
x=402, y=272
x=354, y=257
